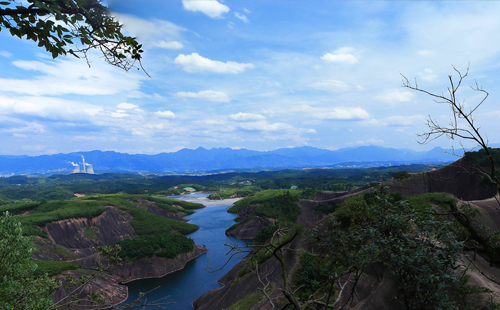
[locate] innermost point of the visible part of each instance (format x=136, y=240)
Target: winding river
x=185, y=285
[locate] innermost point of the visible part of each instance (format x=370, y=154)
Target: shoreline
x=122, y=283
x=203, y=251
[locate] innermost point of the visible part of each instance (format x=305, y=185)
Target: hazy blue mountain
x=200, y=159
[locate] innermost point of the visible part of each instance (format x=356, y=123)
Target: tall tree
x=19, y=288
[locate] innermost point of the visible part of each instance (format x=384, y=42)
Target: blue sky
x=254, y=74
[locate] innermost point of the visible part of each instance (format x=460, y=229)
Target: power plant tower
x=86, y=167
x=90, y=169
x=83, y=160
x=76, y=168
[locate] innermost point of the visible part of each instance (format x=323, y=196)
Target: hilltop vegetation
x=60, y=187
x=155, y=233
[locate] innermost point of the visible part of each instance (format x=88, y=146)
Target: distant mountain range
x=202, y=160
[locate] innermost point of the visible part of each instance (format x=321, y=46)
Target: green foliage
x=145, y=223
x=282, y=207
x=326, y=208
x=238, y=192
x=481, y=158
x=401, y=175
x=415, y=244
x=54, y=268
x=248, y=301
x=313, y=275
x=261, y=197
x=16, y=209
x=58, y=210
x=309, y=193
x=165, y=201
x=56, y=25
x=265, y=233
x=19, y=287
x=90, y=232
x=166, y=245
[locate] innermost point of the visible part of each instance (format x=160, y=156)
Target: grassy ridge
x=53, y=268
x=166, y=245
x=143, y=222
x=240, y=192
x=261, y=197
x=157, y=236
x=46, y=212
x=15, y=209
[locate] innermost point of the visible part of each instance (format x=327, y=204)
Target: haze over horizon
x=259, y=75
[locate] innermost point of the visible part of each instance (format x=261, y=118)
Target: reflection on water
x=186, y=285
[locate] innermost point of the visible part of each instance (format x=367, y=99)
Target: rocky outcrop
x=155, y=267
x=489, y=212
x=250, y=228
x=105, y=283
x=109, y=282
x=375, y=289
x=46, y=249
x=110, y=227
x=459, y=178
x=75, y=240
x=308, y=216
x=251, y=225
x=155, y=209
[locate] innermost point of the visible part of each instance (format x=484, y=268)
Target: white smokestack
x=76, y=168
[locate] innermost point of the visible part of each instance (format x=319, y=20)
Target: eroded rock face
x=75, y=239
x=46, y=249
x=308, y=216
x=375, y=289
x=249, y=229
x=458, y=178
x=108, y=228
x=112, y=292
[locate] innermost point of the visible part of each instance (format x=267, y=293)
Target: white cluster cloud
x=342, y=55
x=119, y=113
x=171, y=45
x=211, y=8
x=165, y=114
x=46, y=107
x=151, y=29
x=246, y=117
x=70, y=77
x=126, y=106
x=210, y=95
x=197, y=63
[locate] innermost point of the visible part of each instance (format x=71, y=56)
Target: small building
x=189, y=189
x=294, y=187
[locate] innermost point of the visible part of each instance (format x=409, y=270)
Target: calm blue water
x=185, y=285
